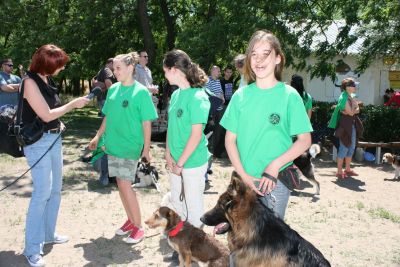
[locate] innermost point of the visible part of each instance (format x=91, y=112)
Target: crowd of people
x=256, y=107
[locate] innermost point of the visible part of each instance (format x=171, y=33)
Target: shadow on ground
x=12, y=259
x=113, y=252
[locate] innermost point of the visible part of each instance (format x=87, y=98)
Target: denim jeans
x=278, y=199
x=347, y=152
x=46, y=195
x=101, y=166
x=193, y=183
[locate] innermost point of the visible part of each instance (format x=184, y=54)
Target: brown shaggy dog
x=192, y=243
x=256, y=236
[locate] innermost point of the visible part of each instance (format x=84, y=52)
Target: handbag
x=8, y=143
x=29, y=133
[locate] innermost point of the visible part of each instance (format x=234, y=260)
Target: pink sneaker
x=136, y=236
x=126, y=228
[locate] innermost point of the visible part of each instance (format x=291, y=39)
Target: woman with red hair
x=41, y=100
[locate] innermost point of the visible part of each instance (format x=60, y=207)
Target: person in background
x=394, y=100
x=9, y=83
x=214, y=86
x=387, y=95
x=41, y=100
x=127, y=127
x=143, y=75
x=227, y=88
x=261, y=120
x=104, y=79
x=239, y=65
x=297, y=83
x=348, y=127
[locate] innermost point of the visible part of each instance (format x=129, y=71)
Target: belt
x=53, y=131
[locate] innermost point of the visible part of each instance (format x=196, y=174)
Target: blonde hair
x=263, y=36
x=131, y=58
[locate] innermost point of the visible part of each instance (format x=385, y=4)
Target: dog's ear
x=164, y=212
x=237, y=186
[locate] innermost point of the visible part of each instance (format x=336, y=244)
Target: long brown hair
x=180, y=60
x=263, y=36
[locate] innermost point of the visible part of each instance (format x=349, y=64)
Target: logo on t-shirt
x=179, y=113
x=274, y=118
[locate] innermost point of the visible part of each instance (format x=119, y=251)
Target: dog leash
x=50, y=147
x=22, y=175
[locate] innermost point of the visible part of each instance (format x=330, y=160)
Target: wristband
x=269, y=177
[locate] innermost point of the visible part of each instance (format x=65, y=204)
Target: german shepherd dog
x=190, y=242
x=256, y=237
x=304, y=164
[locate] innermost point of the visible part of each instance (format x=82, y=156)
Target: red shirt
x=394, y=101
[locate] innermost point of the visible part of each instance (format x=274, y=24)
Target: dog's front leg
x=185, y=259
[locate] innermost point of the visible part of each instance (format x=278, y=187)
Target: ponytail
x=196, y=76
x=180, y=60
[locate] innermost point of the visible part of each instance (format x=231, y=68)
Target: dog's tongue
x=220, y=228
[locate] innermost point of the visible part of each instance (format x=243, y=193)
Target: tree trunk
x=76, y=88
x=170, y=24
x=148, y=38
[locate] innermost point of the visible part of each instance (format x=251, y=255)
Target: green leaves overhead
x=212, y=32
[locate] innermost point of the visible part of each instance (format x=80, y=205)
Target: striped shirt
x=215, y=87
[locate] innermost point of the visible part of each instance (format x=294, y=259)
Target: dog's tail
x=314, y=150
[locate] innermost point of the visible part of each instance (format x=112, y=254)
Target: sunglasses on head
x=10, y=65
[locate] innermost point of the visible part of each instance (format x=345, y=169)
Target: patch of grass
x=360, y=205
x=384, y=214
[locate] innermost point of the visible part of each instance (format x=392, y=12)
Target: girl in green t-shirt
x=186, y=149
x=261, y=120
x=128, y=111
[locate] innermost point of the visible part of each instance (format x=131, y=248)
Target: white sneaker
x=36, y=260
x=136, y=236
x=58, y=239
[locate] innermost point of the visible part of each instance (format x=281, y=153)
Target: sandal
x=350, y=173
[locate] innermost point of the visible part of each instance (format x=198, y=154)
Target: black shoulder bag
x=26, y=134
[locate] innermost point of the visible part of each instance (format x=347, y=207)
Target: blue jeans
x=101, y=166
x=347, y=152
x=46, y=195
x=277, y=200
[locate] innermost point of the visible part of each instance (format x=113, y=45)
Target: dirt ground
x=354, y=222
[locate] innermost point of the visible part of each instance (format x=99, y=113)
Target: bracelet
x=269, y=177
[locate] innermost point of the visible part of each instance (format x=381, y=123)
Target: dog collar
x=176, y=230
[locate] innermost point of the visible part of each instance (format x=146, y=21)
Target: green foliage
x=380, y=122
x=212, y=32
x=322, y=112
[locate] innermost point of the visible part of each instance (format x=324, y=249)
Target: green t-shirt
x=307, y=100
x=264, y=122
x=341, y=105
x=126, y=108
x=188, y=107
